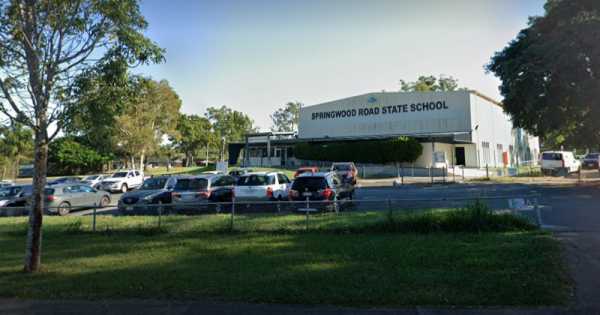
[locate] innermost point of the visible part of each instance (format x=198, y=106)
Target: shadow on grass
x=310, y=268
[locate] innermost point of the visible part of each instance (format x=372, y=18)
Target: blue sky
x=255, y=56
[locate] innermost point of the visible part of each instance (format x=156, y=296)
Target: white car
x=122, y=181
x=262, y=186
x=559, y=163
x=93, y=180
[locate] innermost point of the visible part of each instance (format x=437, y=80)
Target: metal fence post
x=463, y=173
x=306, y=210
x=335, y=204
x=402, y=175
x=487, y=172
x=94, y=218
x=538, y=214
x=232, y=214
x=454, y=173
x=431, y=174
x=444, y=173
x=159, y=215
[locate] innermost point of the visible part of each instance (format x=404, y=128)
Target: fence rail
x=526, y=206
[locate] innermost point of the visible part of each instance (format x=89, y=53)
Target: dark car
x=237, y=173
x=15, y=196
x=154, y=190
x=591, y=161
x=321, y=187
x=196, y=192
x=64, y=180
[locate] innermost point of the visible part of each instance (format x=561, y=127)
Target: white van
x=559, y=163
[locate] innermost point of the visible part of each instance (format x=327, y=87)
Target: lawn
x=271, y=258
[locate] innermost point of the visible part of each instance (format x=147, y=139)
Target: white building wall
x=492, y=126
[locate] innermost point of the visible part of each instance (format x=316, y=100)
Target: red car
x=306, y=169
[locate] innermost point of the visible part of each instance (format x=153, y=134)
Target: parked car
x=262, y=186
x=122, y=181
x=239, y=172
x=591, y=161
x=322, y=187
x=64, y=198
x=64, y=180
x=346, y=171
x=155, y=190
x=15, y=196
x=559, y=163
x=306, y=169
x=6, y=183
x=196, y=192
x=93, y=180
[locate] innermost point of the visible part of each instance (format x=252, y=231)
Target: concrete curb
x=150, y=307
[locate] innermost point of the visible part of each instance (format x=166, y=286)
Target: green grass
x=270, y=258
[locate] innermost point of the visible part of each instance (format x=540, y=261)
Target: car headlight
x=148, y=198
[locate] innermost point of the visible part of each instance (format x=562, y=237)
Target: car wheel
x=124, y=188
x=64, y=208
x=104, y=201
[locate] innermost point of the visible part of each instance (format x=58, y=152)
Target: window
x=87, y=189
x=499, y=151
x=191, y=184
x=137, y=173
x=282, y=179
x=485, y=146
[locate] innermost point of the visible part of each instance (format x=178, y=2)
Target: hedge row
x=402, y=149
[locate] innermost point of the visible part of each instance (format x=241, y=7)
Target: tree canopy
x=149, y=117
x=550, y=74
x=430, y=84
x=287, y=117
x=229, y=123
x=193, y=133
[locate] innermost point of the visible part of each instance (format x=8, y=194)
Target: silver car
x=63, y=198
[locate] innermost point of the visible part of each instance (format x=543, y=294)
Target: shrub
x=475, y=218
x=401, y=149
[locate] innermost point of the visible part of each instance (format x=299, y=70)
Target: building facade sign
x=386, y=114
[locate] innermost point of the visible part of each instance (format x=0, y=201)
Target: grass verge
x=197, y=258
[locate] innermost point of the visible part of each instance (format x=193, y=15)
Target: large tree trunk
x=34, y=232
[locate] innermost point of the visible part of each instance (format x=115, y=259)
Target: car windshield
x=49, y=191
x=119, y=174
x=342, y=167
x=191, y=184
x=309, y=183
x=91, y=177
x=552, y=156
x=592, y=156
x=154, y=183
x=9, y=192
x=255, y=180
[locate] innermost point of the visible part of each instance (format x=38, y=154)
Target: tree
x=148, y=118
x=549, y=73
x=44, y=45
x=193, y=134
x=287, y=117
x=229, y=123
x=67, y=156
x=100, y=95
x=16, y=144
x=430, y=84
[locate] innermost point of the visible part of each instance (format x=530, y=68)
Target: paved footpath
x=144, y=307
